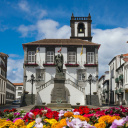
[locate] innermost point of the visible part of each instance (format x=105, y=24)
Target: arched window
x=80, y=28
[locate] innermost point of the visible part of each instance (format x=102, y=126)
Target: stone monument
x=58, y=97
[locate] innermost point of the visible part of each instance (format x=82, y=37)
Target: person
x=59, y=63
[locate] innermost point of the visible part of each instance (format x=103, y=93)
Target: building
x=126, y=78
x=76, y=67
x=19, y=90
x=3, y=75
x=103, y=91
x=10, y=92
x=118, y=79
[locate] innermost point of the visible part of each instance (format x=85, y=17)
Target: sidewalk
x=26, y=108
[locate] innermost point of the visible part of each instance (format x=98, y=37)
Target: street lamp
x=90, y=80
x=32, y=80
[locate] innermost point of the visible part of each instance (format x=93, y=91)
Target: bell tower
x=81, y=27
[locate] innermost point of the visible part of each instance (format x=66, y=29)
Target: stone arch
x=81, y=27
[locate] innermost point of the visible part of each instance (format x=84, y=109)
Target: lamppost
x=90, y=80
x=32, y=80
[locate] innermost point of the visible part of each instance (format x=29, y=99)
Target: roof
x=3, y=54
x=125, y=59
x=101, y=77
x=16, y=84
x=61, y=42
x=112, y=60
x=125, y=54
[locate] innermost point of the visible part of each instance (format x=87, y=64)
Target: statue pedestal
x=59, y=92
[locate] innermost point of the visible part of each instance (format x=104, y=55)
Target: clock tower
x=81, y=27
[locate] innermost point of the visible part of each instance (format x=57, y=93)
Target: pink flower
x=31, y=115
x=117, y=123
x=16, y=119
x=39, y=124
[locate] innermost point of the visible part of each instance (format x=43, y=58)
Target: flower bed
x=83, y=117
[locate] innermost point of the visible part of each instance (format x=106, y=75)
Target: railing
x=41, y=87
x=66, y=82
x=3, y=66
x=74, y=85
x=81, y=18
x=29, y=63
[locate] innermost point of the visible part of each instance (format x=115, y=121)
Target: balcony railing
x=117, y=80
x=28, y=63
x=71, y=64
x=3, y=66
x=48, y=64
x=81, y=18
x=121, y=77
x=90, y=65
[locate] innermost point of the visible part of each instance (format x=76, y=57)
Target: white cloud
x=24, y=6
x=113, y=43
x=13, y=55
x=26, y=30
x=49, y=29
x=15, y=70
x=45, y=29
x=31, y=12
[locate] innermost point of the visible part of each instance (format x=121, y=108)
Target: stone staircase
x=68, y=81
x=94, y=100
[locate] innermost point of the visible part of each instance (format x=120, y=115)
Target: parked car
x=16, y=102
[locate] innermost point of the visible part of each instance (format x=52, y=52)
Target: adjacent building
x=10, y=92
x=80, y=60
x=19, y=90
x=3, y=75
x=118, y=79
x=103, y=88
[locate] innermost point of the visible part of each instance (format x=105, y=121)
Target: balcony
x=121, y=77
x=49, y=65
x=71, y=64
x=4, y=67
x=117, y=80
x=28, y=63
x=90, y=65
x=121, y=90
x=117, y=91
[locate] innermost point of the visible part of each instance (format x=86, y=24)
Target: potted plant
x=94, y=93
x=43, y=103
x=77, y=103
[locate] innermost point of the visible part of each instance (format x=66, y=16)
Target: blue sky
x=23, y=21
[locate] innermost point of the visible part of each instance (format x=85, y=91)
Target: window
x=71, y=57
x=90, y=57
x=40, y=74
x=31, y=56
x=19, y=93
x=80, y=28
x=3, y=73
x=50, y=57
x=19, y=88
x=81, y=76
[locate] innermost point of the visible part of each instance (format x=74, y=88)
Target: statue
x=59, y=63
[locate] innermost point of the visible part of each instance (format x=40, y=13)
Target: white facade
x=3, y=80
x=71, y=73
x=103, y=88
x=10, y=92
x=2, y=90
x=118, y=79
x=19, y=90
